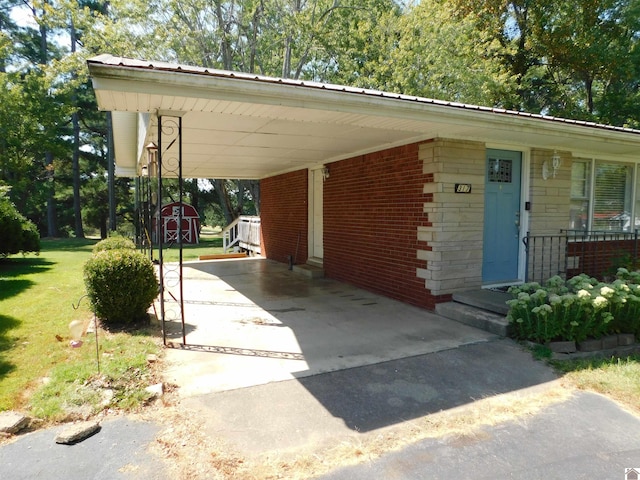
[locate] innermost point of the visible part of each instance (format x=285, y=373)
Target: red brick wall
x=283, y=216
x=373, y=205
x=600, y=258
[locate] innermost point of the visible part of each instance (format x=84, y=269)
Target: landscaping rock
x=625, y=339
x=152, y=358
x=562, y=347
x=77, y=432
x=590, y=345
x=12, y=422
x=610, y=341
x=107, y=397
x=156, y=390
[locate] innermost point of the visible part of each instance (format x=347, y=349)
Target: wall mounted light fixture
x=152, y=162
x=325, y=173
x=556, y=161
x=551, y=169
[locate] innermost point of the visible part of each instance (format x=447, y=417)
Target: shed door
x=501, y=246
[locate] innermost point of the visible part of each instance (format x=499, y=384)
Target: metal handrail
x=570, y=252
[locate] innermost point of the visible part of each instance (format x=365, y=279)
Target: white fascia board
x=126, y=172
x=124, y=133
x=144, y=121
x=191, y=85
x=178, y=84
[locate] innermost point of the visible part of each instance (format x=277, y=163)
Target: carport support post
x=159, y=231
x=170, y=161
x=180, y=235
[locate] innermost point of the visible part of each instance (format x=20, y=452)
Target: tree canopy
x=570, y=58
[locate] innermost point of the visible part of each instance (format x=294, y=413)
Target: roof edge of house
x=128, y=64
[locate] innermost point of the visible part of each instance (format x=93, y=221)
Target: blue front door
x=501, y=216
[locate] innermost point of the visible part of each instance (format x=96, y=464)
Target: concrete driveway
x=387, y=368
x=253, y=321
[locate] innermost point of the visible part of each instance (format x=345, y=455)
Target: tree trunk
x=225, y=202
x=588, y=83
x=254, y=36
x=75, y=162
x=225, y=45
x=52, y=217
x=103, y=227
x=52, y=220
x=254, y=190
x=111, y=174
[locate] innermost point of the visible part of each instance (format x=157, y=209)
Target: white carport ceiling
x=247, y=126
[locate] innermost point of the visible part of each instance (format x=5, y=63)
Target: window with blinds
x=580, y=193
x=610, y=189
x=612, y=197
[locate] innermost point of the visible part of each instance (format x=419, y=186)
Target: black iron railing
x=572, y=252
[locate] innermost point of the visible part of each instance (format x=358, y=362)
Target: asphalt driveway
x=277, y=365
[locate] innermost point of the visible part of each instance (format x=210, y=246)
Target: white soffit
x=245, y=126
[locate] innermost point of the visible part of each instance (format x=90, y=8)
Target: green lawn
x=36, y=298
x=37, y=294
x=618, y=378
x=39, y=370
x=210, y=243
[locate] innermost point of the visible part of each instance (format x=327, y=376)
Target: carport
x=253, y=321
x=237, y=323
x=177, y=121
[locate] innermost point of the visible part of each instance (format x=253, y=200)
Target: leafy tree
x=432, y=55
x=18, y=233
x=571, y=58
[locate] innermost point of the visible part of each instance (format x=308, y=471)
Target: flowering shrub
x=576, y=309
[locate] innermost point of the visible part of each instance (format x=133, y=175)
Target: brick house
x=408, y=197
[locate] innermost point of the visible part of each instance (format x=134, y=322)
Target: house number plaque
x=463, y=188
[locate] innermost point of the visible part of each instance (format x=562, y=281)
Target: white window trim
x=591, y=186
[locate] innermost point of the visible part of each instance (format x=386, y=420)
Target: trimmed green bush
x=121, y=285
x=114, y=243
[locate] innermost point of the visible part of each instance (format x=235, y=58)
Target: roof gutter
x=193, y=82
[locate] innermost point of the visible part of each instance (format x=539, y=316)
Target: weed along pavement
x=289, y=377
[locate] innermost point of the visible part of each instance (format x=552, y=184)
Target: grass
x=35, y=306
x=76, y=388
x=618, y=378
x=210, y=243
x=39, y=371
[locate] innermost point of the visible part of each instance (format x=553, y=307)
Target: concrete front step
x=310, y=271
x=475, y=317
x=489, y=300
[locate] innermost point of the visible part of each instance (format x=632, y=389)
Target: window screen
x=612, y=197
x=580, y=192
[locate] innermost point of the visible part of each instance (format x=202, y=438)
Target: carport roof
x=238, y=125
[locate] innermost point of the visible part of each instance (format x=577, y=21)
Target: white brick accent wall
x=454, y=236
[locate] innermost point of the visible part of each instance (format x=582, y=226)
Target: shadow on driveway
x=358, y=361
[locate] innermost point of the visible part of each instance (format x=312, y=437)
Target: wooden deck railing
x=243, y=233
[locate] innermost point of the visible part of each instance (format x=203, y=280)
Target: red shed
x=170, y=218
